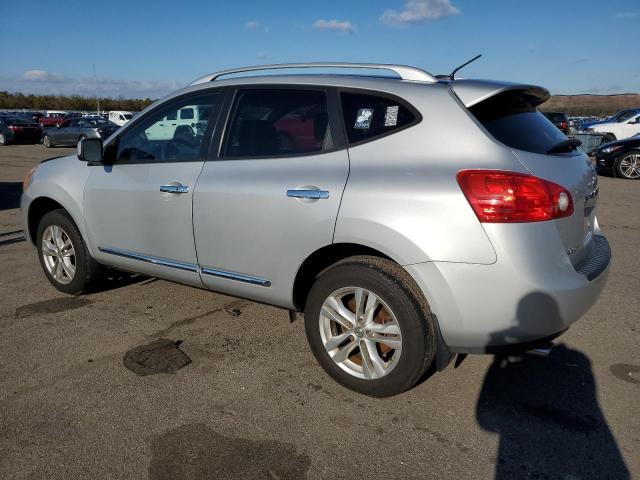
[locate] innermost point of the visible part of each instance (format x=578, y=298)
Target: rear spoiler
x=472, y=92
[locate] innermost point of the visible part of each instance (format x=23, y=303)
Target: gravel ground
x=253, y=403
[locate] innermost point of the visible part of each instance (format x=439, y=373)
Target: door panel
x=273, y=197
x=138, y=212
x=132, y=224
x=244, y=222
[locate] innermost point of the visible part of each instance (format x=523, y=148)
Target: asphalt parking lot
x=253, y=403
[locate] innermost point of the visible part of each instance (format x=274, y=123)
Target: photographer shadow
x=545, y=410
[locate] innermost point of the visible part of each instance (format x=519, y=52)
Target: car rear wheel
x=3, y=140
x=369, y=327
x=63, y=255
x=628, y=165
x=46, y=141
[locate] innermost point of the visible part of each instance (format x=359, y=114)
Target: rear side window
x=279, y=123
x=516, y=123
x=369, y=116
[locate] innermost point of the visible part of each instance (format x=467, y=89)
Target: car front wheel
x=369, y=327
x=63, y=254
x=628, y=165
x=46, y=141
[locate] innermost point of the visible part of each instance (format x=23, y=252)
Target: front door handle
x=309, y=194
x=174, y=188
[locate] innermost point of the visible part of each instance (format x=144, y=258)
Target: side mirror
x=90, y=150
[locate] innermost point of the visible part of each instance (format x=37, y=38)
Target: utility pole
x=95, y=85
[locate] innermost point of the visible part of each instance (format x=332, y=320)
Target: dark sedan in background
x=15, y=129
x=73, y=129
x=620, y=158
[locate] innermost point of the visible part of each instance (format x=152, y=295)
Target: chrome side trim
x=165, y=262
x=240, y=277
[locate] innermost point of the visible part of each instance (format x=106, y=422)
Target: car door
x=138, y=211
x=270, y=195
x=61, y=133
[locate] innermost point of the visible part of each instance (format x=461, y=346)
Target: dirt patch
x=193, y=452
x=161, y=356
x=55, y=305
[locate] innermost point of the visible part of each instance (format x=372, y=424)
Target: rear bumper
x=520, y=300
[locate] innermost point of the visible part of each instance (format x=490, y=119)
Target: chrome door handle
x=174, y=188
x=312, y=194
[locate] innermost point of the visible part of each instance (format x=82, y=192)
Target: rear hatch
x=508, y=112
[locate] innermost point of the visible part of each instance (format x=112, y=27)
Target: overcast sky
x=149, y=48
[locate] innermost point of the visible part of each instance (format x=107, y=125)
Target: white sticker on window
x=391, y=116
x=363, y=120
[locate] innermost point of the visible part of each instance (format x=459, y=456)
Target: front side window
x=156, y=139
x=65, y=124
x=624, y=116
x=368, y=116
x=278, y=123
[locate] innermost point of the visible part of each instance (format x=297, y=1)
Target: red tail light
x=564, y=125
x=14, y=128
x=509, y=197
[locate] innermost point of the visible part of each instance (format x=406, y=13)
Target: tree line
x=71, y=103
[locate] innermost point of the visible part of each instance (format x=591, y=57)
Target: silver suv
x=410, y=217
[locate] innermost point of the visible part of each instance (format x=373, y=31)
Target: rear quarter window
x=369, y=116
x=512, y=120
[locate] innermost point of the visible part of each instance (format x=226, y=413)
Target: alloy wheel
x=58, y=254
x=360, y=333
x=630, y=166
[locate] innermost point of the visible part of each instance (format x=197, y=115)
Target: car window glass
x=65, y=124
x=624, y=116
x=368, y=116
x=155, y=139
x=512, y=120
x=186, y=114
x=278, y=123
x=173, y=115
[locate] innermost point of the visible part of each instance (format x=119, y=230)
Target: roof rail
x=403, y=71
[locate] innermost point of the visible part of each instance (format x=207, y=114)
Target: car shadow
x=545, y=410
x=10, y=195
x=112, y=279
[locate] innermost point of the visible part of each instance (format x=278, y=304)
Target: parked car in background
x=52, y=118
x=327, y=194
x=120, y=117
x=619, y=117
x=620, y=158
x=31, y=116
x=74, y=129
x=559, y=119
x=617, y=130
x=14, y=129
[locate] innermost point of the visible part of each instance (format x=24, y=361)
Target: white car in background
x=618, y=131
x=120, y=117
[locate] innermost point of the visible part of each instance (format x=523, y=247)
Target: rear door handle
x=310, y=194
x=174, y=188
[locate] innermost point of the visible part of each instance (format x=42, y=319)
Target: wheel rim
x=1, y=139
x=58, y=254
x=46, y=141
x=630, y=165
x=360, y=333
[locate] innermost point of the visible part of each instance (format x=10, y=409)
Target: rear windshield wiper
x=565, y=146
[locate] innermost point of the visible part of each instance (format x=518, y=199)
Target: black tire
x=46, y=141
x=619, y=172
x=396, y=288
x=86, y=268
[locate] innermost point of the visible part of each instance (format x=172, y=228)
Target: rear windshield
x=555, y=117
x=516, y=123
